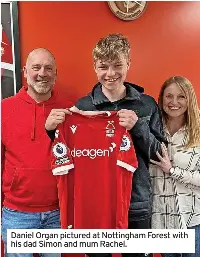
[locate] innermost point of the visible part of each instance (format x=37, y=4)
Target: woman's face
x=174, y=101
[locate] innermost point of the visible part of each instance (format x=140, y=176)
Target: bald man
x=30, y=190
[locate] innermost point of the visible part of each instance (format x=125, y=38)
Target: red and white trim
x=62, y=170
x=126, y=166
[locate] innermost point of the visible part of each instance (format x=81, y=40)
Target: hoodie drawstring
x=44, y=113
x=33, y=122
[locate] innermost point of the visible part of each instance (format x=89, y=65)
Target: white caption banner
x=100, y=241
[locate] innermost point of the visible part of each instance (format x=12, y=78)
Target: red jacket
x=28, y=183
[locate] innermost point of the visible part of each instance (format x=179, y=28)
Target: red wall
x=165, y=41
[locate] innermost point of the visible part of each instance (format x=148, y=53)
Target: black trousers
x=141, y=224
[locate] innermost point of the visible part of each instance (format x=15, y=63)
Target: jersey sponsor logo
x=93, y=153
x=126, y=144
x=112, y=147
x=73, y=128
x=60, y=150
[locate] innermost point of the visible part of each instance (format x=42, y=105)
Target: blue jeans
x=197, y=246
x=12, y=219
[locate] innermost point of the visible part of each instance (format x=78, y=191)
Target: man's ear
x=56, y=73
x=25, y=72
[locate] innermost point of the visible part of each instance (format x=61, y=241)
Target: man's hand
x=164, y=164
x=127, y=118
x=55, y=117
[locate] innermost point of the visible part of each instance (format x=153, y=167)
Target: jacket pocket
x=33, y=187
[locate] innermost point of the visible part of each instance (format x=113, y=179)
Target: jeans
x=12, y=219
x=140, y=224
x=197, y=246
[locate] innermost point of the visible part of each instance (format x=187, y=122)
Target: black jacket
x=146, y=135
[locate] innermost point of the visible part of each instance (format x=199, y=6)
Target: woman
x=176, y=176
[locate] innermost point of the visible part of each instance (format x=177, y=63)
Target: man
x=30, y=190
x=137, y=112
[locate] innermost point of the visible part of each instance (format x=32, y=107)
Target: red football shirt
x=94, y=160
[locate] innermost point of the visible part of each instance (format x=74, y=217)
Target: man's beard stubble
x=40, y=89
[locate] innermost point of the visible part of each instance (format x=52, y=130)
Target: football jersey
x=94, y=159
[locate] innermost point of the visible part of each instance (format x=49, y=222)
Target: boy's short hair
x=110, y=47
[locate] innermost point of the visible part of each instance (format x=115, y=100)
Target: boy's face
x=112, y=74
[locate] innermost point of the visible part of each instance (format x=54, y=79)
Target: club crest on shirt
x=110, y=128
x=126, y=144
x=60, y=150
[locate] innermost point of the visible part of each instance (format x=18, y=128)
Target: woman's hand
x=164, y=164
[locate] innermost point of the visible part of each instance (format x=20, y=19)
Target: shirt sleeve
x=62, y=160
x=148, y=136
x=126, y=156
x=51, y=134
x=191, y=177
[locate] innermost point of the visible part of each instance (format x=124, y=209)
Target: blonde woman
x=176, y=177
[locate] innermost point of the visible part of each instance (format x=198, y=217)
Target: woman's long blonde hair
x=192, y=115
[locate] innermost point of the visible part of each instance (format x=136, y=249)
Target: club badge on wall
x=127, y=10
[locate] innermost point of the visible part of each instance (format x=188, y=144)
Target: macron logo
x=73, y=128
